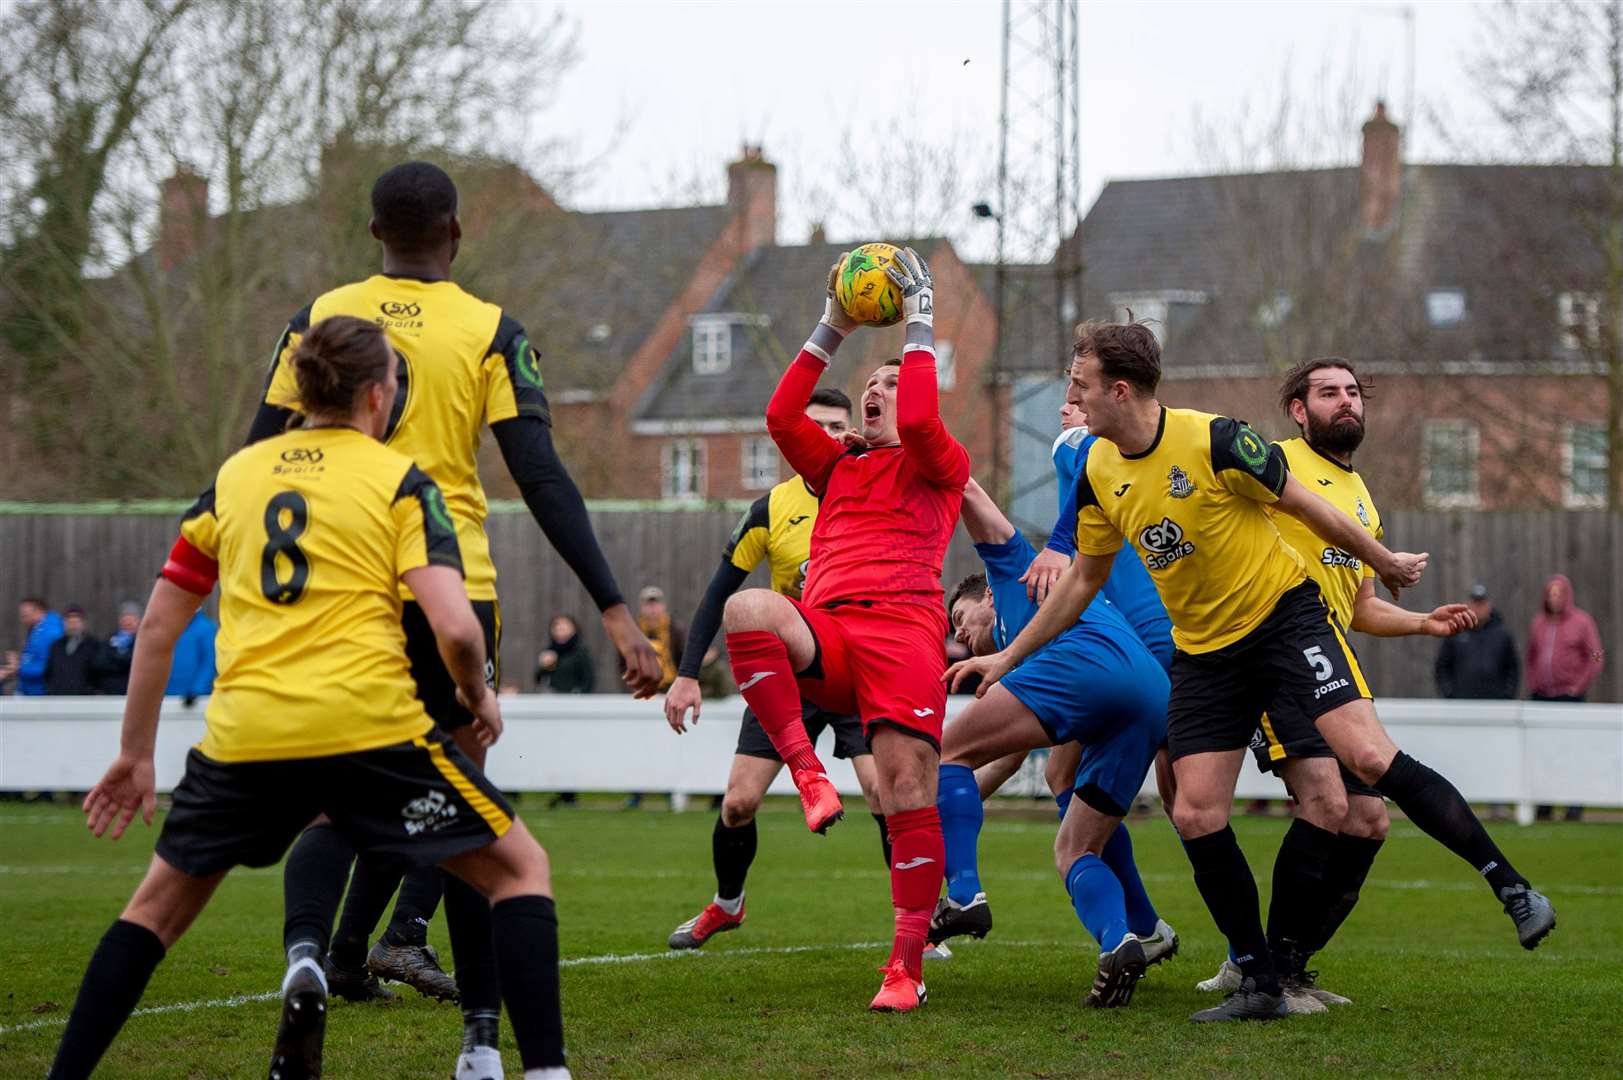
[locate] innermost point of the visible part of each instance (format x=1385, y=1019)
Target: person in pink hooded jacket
x=1564, y=655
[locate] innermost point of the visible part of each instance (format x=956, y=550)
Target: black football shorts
x=435, y=687
x=848, y=738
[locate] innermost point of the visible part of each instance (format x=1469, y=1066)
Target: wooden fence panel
x=100, y=560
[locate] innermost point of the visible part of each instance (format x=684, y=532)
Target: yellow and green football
x=864, y=290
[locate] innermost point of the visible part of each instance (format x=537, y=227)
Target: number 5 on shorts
x=1321, y=663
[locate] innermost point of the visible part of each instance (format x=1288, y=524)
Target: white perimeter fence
x=1518, y=752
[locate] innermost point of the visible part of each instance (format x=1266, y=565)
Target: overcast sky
x=682, y=84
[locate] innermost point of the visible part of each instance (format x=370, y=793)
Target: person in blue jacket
x=44, y=627
x=192, y=675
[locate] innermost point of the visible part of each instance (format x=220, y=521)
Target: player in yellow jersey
x=466, y=365
x=777, y=528
x=310, y=535
x=1325, y=399
x=1252, y=633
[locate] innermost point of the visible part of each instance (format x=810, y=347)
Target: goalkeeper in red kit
x=867, y=636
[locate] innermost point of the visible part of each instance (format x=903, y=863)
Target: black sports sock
x=371, y=886
x=419, y=898
x=525, y=929
x=467, y=919
x=884, y=838
x=1224, y=879
x=312, y=885
x=1442, y=813
x=1297, y=908
x=1349, y=865
x=732, y=851
x=114, y=981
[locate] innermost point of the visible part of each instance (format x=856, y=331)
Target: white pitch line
x=574, y=961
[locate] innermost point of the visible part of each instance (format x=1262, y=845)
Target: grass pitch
x=1439, y=982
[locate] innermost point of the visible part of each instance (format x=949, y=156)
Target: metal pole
x=1000, y=288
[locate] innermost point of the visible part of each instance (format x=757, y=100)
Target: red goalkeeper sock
x=767, y=680
x=916, y=869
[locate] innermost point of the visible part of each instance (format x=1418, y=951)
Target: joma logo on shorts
x=1333, y=685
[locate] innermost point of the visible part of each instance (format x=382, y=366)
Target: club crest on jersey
x=1163, y=544
x=1182, y=487
x=1363, y=512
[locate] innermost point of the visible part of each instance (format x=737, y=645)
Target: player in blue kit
x=1097, y=684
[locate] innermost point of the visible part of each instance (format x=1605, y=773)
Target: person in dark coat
x=113, y=665
x=564, y=664
x=70, y=667
x=1483, y=662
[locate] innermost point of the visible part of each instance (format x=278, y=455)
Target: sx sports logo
x=301, y=455
x=396, y=309
x=428, y=813
x=1163, y=544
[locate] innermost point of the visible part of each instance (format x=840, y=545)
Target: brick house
x=1471, y=294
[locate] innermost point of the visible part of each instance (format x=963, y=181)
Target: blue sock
x=958, y=801
x=1232, y=958
x=1096, y=895
x=1064, y=801
x=1118, y=855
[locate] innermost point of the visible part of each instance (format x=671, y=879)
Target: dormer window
x=1445, y=307
x=712, y=346
x=1271, y=314
x=599, y=332
x=1578, y=315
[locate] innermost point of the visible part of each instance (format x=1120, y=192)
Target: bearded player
x=868, y=635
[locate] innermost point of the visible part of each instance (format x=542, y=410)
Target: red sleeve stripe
x=191, y=569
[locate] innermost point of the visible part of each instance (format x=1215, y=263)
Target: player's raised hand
x=1403, y=570
x=1046, y=569
x=833, y=311
x=1450, y=619
x=642, y=673
x=989, y=668
x=683, y=695
x=130, y=783
x=487, y=716
x=911, y=274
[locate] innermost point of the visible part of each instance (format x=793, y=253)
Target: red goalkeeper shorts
x=882, y=662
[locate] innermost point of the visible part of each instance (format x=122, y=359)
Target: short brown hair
x=972, y=586
x=335, y=361
x=1294, y=388
x=830, y=398
x=1126, y=351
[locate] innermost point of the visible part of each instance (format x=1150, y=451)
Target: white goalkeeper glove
x=911, y=274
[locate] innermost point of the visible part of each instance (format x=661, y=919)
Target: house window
x=759, y=460
x=1449, y=463
x=1271, y=314
x=1578, y=314
x=946, y=366
x=1583, y=465
x=1147, y=309
x=1445, y=307
x=681, y=468
x=712, y=346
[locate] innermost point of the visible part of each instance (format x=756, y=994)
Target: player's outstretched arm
x=808, y=448
x=929, y=445
x=1372, y=615
x=684, y=693
x=983, y=521
x=1070, y=598
x=461, y=640
x=130, y=782
x=1398, y=570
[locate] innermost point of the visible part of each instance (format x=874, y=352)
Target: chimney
x=818, y=236
x=752, y=198
x=1380, y=175
x=183, y=214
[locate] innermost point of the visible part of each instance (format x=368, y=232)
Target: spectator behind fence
x=42, y=627
x=1481, y=662
x=1564, y=655
x=70, y=667
x=113, y=663
x=667, y=638
x=564, y=664
x=192, y=675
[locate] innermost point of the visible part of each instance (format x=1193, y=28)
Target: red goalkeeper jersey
x=887, y=512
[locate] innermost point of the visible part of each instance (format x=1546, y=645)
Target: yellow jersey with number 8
x=311, y=531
